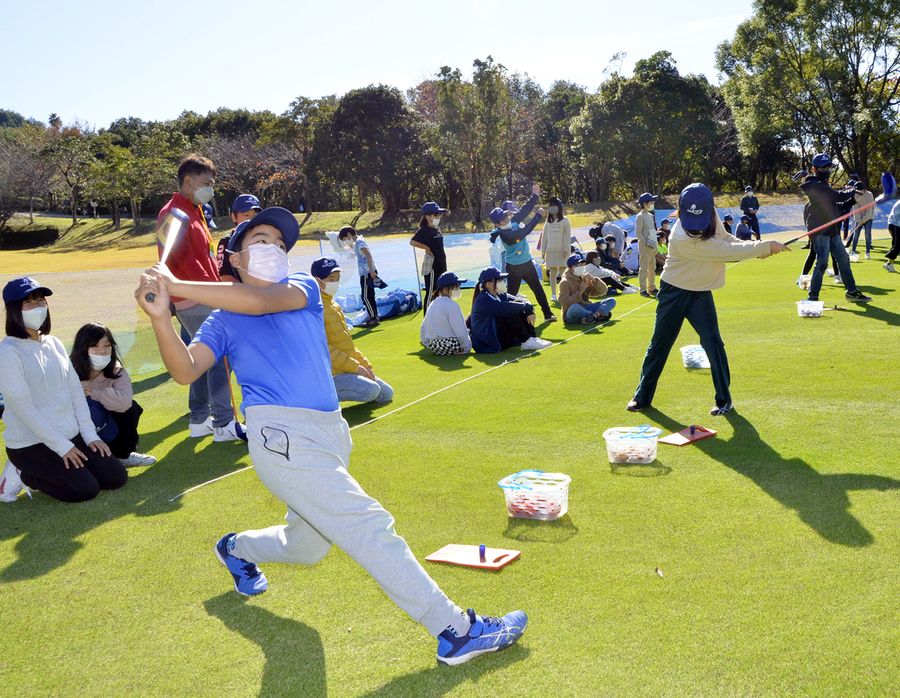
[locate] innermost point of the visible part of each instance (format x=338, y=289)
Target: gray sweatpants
x=209, y=394
x=302, y=457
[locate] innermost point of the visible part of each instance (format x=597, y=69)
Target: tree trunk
x=363, y=205
x=31, y=209
x=74, y=207
x=136, y=212
x=116, y=216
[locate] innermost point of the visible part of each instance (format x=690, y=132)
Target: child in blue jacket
x=500, y=320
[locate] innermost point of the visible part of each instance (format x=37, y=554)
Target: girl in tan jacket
x=576, y=290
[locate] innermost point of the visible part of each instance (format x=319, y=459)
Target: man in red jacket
x=192, y=259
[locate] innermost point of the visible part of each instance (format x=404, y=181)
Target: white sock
x=461, y=624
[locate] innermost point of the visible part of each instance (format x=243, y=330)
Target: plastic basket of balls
x=534, y=494
x=810, y=308
x=694, y=356
x=632, y=444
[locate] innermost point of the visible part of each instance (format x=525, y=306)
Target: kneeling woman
x=49, y=435
x=444, y=327
x=500, y=320
x=699, y=247
x=110, y=396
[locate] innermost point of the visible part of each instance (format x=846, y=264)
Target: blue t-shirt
x=279, y=359
x=361, y=261
x=519, y=252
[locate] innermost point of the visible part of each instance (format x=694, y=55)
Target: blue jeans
x=210, y=393
x=352, y=387
x=578, y=311
x=823, y=246
x=868, y=227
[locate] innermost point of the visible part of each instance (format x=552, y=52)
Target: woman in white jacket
x=444, y=329
x=50, y=438
x=555, y=242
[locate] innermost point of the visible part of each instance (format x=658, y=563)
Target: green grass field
x=778, y=540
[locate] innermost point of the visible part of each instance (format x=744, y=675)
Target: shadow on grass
x=440, y=680
x=50, y=529
x=821, y=501
x=654, y=469
x=151, y=382
x=534, y=531
x=295, y=657
x=873, y=311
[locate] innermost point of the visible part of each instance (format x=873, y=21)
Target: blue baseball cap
x=448, y=278
x=574, y=259
x=510, y=206
x=748, y=188
x=695, y=207
x=490, y=274
x=728, y=217
x=323, y=267
x=19, y=289
x=208, y=214
x=429, y=208
x=666, y=220
x=821, y=160
x=496, y=215
x=244, y=203
x=645, y=197
x=275, y=216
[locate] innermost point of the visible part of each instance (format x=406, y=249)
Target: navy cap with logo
x=664, y=221
x=574, y=259
x=323, y=267
x=208, y=214
x=695, y=207
x=448, y=278
x=275, y=216
x=728, y=217
x=19, y=289
x=429, y=208
x=490, y=274
x=821, y=160
x=748, y=188
x=510, y=207
x=646, y=196
x=498, y=214
x=244, y=203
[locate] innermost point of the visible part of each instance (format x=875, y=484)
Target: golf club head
x=888, y=187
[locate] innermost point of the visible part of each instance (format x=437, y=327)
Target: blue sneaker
x=487, y=634
x=248, y=578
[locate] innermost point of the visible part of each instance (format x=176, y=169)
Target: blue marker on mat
x=693, y=429
x=482, y=555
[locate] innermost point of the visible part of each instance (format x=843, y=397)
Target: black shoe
x=634, y=406
x=722, y=410
x=857, y=295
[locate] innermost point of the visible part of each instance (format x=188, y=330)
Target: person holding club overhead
x=699, y=247
x=271, y=326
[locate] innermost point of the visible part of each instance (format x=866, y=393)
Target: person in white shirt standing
x=645, y=232
x=444, y=329
x=864, y=215
x=50, y=439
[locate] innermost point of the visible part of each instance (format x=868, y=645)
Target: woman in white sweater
x=555, y=242
x=444, y=329
x=50, y=438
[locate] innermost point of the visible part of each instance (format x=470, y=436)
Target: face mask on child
x=580, y=270
x=99, y=361
x=268, y=262
x=602, y=245
x=456, y=293
x=502, y=286
x=506, y=226
x=331, y=287
x=35, y=317
x=553, y=210
x=436, y=221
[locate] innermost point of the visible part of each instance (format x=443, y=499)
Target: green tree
x=69, y=151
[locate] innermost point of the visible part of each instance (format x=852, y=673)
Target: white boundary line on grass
x=436, y=392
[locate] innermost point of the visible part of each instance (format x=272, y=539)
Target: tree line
x=801, y=77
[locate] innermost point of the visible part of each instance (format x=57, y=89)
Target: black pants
x=513, y=330
x=845, y=229
x=674, y=306
x=430, y=280
x=127, y=439
x=811, y=259
x=753, y=223
x=367, y=291
x=42, y=469
x=527, y=273
x=895, y=241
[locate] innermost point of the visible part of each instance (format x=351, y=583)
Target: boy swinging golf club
x=271, y=327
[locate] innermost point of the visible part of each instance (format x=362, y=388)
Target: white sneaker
x=889, y=266
x=137, y=459
x=553, y=298
x=535, y=343
x=868, y=256
x=629, y=289
x=854, y=257
x=837, y=280
x=200, y=430
x=233, y=431
x=11, y=483
x=830, y=272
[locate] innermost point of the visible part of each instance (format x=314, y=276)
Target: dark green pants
x=674, y=306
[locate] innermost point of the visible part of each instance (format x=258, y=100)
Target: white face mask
x=331, y=287
x=456, y=293
x=553, y=210
x=501, y=286
x=580, y=270
x=506, y=226
x=268, y=262
x=35, y=317
x=99, y=361
x=436, y=221
x=203, y=195
x=602, y=245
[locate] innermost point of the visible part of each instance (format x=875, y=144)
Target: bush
x=27, y=238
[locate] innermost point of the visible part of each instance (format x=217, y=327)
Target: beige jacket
x=699, y=265
x=579, y=289
x=644, y=230
x=862, y=199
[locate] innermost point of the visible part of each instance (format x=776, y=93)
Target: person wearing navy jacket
x=500, y=320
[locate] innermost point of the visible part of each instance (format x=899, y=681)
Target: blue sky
x=97, y=60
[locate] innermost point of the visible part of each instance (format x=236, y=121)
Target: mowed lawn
x=777, y=542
